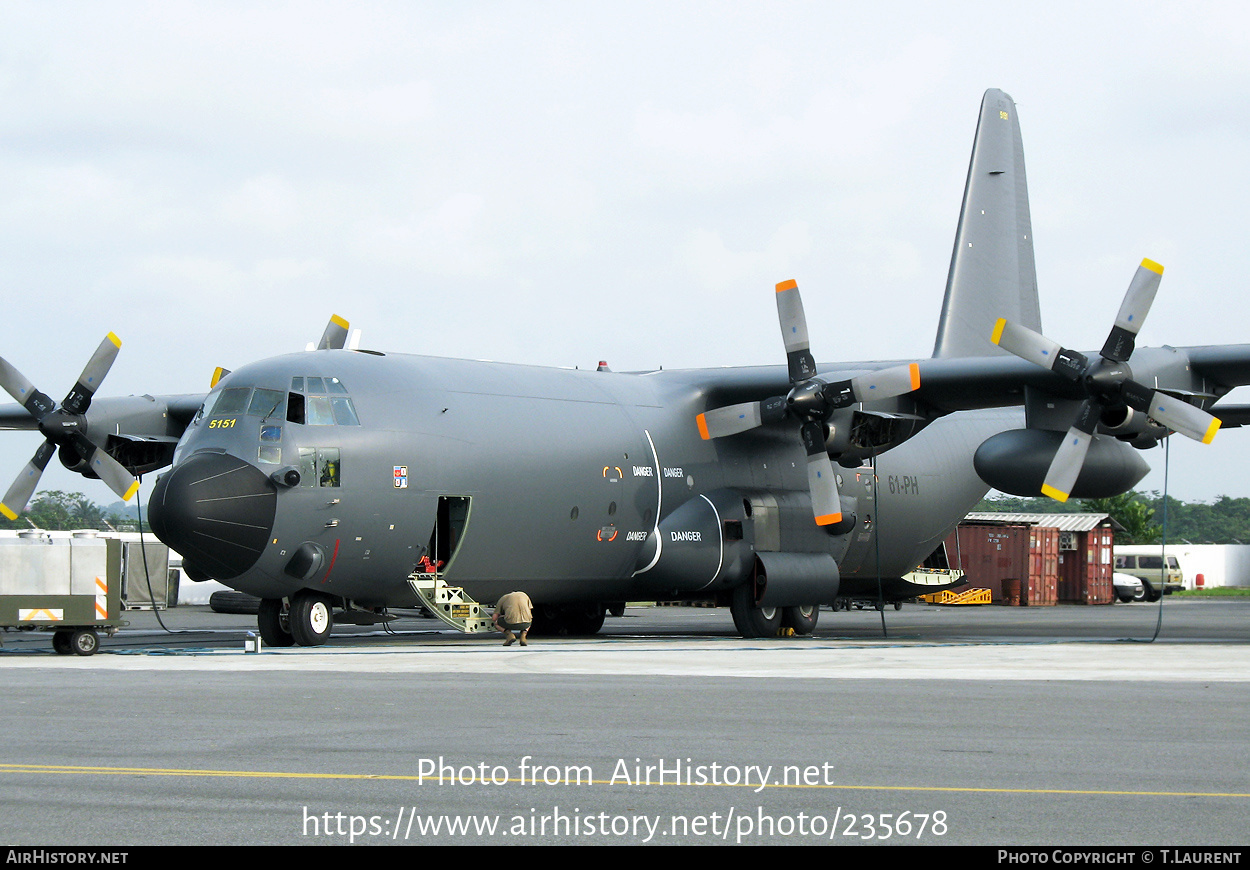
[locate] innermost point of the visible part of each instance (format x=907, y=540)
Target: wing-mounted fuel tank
x=715, y=542
x=1016, y=462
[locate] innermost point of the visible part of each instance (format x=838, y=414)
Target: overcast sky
x=559, y=183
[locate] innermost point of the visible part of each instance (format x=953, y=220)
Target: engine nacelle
x=792, y=579
x=72, y=460
x=856, y=435
x=701, y=546
x=1016, y=462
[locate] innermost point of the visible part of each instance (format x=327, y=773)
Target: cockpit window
x=328, y=466
x=344, y=413
x=266, y=403
x=320, y=402
x=231, y=401
x=319, y=467
x=254, y=403
x=319, y=412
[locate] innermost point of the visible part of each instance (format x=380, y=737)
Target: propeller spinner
x=1108, y=381
x=64, y=426
x=811, y=401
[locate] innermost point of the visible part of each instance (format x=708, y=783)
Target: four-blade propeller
x=811, y=401
x=64, y=426
x=1108, y=381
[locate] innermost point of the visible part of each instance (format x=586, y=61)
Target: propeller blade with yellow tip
x=335, y=336
x=79, y=398
x=63, y=426
x=18, y=496
x=1133, y=311
x=1108, y=382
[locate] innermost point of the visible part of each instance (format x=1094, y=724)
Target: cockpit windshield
x=267, y=403
x=231, y=401
x=311, y=402
x=254, y=403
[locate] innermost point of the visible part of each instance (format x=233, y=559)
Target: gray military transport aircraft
x=338, y=483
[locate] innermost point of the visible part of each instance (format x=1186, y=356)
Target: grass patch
x=1217, y=592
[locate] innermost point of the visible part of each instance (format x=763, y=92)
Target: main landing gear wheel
x=274, y=625
x=311, y=617
x=802, y=618
x=585, y=619
x=750, y=619
x=568, y=620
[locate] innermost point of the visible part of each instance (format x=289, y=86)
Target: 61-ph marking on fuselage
x=903, y=484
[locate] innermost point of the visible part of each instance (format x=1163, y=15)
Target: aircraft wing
x=969, y=383
x=156, y=415
x=182, y=409
x=142, y=416
x=140, y=432
x=16, y=417
x=1203, y=373
x=1078, y=419
x=1223, y=363
x=1232, y=416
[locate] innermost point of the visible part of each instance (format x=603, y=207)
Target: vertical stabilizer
x=992, y=273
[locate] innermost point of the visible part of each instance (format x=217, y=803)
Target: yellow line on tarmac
x=278, y=774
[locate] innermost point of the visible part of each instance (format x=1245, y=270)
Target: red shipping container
x=1085, y=570
x=993, y=553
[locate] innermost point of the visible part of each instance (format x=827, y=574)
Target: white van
x=1146, y=563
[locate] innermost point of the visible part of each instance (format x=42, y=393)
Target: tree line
x=55, y=510
x=1224, y=521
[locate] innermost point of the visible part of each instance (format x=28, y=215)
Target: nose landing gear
x=307, y=621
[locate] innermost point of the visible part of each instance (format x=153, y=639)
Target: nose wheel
x=306, y=621
x=274, y=623
x=310, y=617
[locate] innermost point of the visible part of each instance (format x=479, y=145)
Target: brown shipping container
x=990, y=554
x=1043, y=567
x=1085, y=572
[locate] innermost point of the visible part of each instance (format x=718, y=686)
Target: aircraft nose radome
x=216, y=510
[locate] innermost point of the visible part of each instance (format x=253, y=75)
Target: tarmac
x=990, y=725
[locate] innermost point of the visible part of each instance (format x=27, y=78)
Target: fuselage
x=575, y=485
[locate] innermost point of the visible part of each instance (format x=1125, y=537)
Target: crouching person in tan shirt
x=513, y=613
